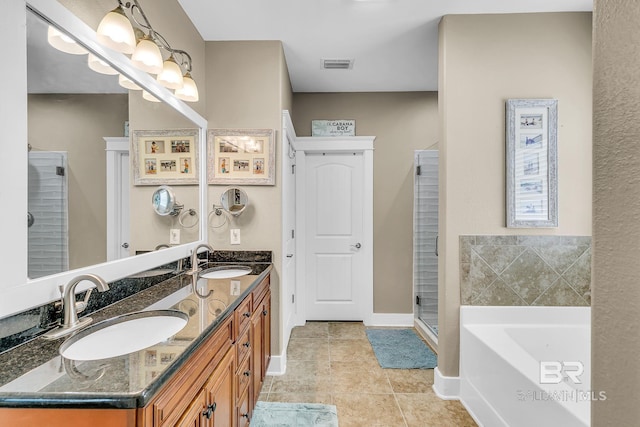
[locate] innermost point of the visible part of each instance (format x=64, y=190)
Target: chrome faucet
x=195, y=263
x=71, y=308
x=195, y=269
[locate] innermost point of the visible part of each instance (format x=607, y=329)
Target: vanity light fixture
x=116, y=30
x=100, y=66
x=127, y=83
x=189, y=91
x=63, y=42
x=146, y=95
x=147, y=56
x=171, y=75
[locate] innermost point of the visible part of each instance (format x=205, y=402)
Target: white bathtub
x=500, y=371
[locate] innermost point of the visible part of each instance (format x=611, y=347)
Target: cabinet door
x=256, y=357
x=220, y=392
x=196, y=414
x=266, y=333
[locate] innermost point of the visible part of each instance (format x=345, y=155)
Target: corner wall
x=615, y=312
x=401, y=122
x=485, y=60
x=247, y=88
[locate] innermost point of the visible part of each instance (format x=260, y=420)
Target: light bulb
x=171, y=75
x=115, y=31
x=63, y=42
x=146, y=95
x=188, y=92
x=100, y=66
x=147, y=56
x=127, y=83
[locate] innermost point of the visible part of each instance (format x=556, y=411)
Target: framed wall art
x=241, y=156
x=531, y=154
x=167, y=157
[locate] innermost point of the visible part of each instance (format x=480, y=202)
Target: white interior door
x=288, y=302
x=117, y=149
x=334, y=259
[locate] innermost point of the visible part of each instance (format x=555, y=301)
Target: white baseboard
x=278, y=364
x=390, y=319
x=446, y=388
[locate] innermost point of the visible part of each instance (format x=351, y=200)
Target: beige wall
x=485, y=60
x=78, y=128
x=615, y=341
x=148, y=229
x=248, y=87
x=401, y=122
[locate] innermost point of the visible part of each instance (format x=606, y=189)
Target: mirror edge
x=27, y=293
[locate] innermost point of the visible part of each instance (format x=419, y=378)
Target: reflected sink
x=226, y=272
x=123, y=334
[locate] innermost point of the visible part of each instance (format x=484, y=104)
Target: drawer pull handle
x=246, y=373
x=247, y=314
x=208, y=413
x=247, y=344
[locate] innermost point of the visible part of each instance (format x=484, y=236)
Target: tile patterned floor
x=333, y=363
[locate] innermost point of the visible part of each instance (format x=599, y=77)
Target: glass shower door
x=425, y=238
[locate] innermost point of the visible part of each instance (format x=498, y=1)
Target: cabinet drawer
x=243, y=346
x=260, y=290
x=244, y=414
x=242, y=316
x=243, y=377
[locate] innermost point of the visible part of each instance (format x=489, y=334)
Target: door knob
x=125, y=245
x=357, y=246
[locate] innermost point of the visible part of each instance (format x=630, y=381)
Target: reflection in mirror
x=234, y=200
x=164, y=201
x=73, y=113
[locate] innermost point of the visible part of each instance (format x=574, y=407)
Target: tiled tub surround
x=525, y=270
x=25, y=326
x=34, y=375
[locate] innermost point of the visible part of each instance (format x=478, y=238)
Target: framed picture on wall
x=168, y=157
x=532, y=172
x=241, y=156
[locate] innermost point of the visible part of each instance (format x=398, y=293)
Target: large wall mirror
x=85, y=214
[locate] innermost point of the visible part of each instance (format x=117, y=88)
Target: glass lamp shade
x=171, y=75
x=99, y=66
x=127, y=83
x=147, y=56
x=188, y=92
x=63, y=42
x=115, y=31
x=146, y=95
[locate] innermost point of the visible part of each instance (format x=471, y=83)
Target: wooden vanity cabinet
x=216, y=387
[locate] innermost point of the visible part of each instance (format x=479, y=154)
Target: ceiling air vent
x=337, y=64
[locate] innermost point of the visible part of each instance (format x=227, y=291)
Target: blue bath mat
x=276, y=414
x=401, y=349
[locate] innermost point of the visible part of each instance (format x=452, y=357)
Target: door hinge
x=417, y=299
x=293, y=234
x=418, y=170
x=293, y=298
x=293, y=169
x=60, y=170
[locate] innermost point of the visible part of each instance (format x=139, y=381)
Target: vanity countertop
x=35, y=375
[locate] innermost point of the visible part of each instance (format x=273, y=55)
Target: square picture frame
x=241, y=156
x=168, y=157
x=531, y=169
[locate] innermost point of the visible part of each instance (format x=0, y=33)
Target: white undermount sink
x=123, y=334
x=226, y=272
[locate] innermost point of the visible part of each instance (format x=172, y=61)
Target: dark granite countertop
x=35, y=375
